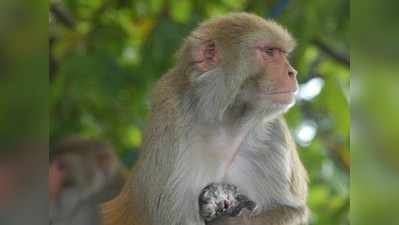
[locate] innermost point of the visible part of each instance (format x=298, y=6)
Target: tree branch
x=338, y=56
x=63, y=16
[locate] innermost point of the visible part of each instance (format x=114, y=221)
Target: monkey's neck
x=244, y=116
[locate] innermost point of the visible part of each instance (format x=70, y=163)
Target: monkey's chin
x=272, y=107
x=283, y=99
x=287, y=98
x=277, y=104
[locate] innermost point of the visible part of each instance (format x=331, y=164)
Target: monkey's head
x=81, y=168
x=238, y=63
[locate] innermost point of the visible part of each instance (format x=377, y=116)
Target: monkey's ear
x=206, y=55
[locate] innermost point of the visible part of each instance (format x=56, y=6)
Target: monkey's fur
x=205, y=126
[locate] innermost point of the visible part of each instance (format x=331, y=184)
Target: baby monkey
x=221, y=199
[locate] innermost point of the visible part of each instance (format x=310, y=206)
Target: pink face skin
x=279, y=83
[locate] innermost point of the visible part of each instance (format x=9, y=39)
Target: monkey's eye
x=269, y=51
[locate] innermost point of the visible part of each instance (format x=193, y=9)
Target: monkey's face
x=85, y=172
x=277, y=79
x=271, y=80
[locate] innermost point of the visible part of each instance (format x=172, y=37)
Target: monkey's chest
x=258, y=166
x=217, y=152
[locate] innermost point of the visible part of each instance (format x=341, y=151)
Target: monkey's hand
x=220, y=200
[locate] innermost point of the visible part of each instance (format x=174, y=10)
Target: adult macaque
x=216, y=118
x=83, y=173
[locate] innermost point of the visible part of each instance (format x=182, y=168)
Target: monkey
x=217, y=118
x=82, y=174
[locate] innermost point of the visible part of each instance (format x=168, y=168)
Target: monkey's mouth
x=269, y=94
x=281, y=92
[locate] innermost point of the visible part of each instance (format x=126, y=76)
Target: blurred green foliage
x=106, y=54
x=375, y=124
x=22, y=94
